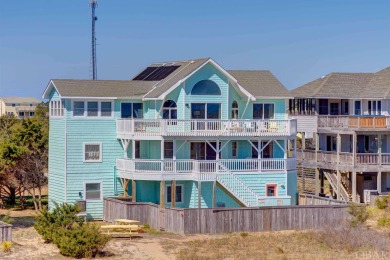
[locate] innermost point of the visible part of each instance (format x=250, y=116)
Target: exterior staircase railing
x=237, y=187
x=333, y=182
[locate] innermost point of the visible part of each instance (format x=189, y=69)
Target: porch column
x=259, y=149
x=125, y=184
x=317, y=146
x=379, y=182
x=125, y=147
x=133, y=191
x=354, y=186
x=303, y=144
x=354, y=138
x=214, y=193
x=338, y=148
x=379, y=149
x=338, y=185
x=162, y=155
x=133, y=149
x=173, y=194
x=199, y=194
x=174, y=155
x=217, y=148
x=162, y=194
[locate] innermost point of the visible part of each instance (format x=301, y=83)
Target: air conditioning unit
x=367, y=195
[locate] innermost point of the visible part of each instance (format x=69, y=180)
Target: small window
x=92, y=152
x=235, y=110
x=179, y=193
x=31, y=113
x=271, y=190
x=357, y=107
x=168, y=150
x=93, y=191
x=206, y=87
x=234, y=148
x=106, y=109
x=21, y=114
x=56, y=108
x=13, y=105
x=78, y=108
x=92, y=108
x=169, y=110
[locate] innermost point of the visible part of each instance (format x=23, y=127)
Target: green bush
x=384, y=222
x=382, y=202
x=359, y=214
x=7, y=218
x=62, y=216
x=73, y=237
x=81, y=240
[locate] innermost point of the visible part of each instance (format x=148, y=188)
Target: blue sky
x=297, y=40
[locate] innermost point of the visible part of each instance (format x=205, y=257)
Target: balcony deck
x=362, y=162
x=128, y=128
x=201, y=170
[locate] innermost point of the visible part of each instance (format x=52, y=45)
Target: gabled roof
x=260, y=83
x=20, y=100
x=247, y=83
x=347, y=85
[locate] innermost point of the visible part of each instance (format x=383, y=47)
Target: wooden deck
x=223, y=220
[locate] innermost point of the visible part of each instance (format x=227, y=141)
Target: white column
x=217, y=148
x=379, y=182
x=174, y=155
x=338, y=185
x=354, y=187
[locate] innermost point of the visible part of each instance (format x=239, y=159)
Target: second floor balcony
x=354, y=122
x=127, y=128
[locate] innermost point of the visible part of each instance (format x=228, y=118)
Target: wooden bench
x=120, y=230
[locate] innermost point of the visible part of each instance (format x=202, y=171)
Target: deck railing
x=204, y=166
x=345, y=158
x=181, y=127
x=355, y=122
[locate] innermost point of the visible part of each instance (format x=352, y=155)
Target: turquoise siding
x=257, y=182
x=292, y=186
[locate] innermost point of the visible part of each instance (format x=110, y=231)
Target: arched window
x=206, y=87
x=235, y=110
x=169, y=110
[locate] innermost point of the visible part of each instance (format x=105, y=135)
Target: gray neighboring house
x=21, y=107
x=344, y=126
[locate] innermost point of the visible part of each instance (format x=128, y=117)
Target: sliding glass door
x=202, y=111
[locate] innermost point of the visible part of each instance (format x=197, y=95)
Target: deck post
x=125, y=187
x=174, y=155
x=379, y=149
x=162, y=155
x=162, y=194
x=316, y=182
x=133, y=191
x=173, y=194
x=379, y=182
x=133, y=149
x=338, y=185
x=303, y=144
x=317, y=146
x=353, y=186
x=214, y=191
x=338, y=148
x=199, y=194
x=354, y=137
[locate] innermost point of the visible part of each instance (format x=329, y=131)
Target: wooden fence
x=5, y=232
x=306, y=199
x=223, y=220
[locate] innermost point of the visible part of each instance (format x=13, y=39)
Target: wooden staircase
x=332, y=178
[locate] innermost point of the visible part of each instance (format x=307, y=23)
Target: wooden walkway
x=224, y=220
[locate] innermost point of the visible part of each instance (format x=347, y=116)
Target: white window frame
x=182, y=193
x=264, y=103
x=374, y=110
x=132, y=104
x=235, y=156
x=100, y=152
x=85, y=190
x=56, y=108
x=205, y=111
x=99, y=115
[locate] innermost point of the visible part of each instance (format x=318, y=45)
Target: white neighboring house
x=21, y=107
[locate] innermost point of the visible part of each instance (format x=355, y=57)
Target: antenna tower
x=93, y=66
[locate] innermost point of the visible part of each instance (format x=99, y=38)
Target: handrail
x=354, y=121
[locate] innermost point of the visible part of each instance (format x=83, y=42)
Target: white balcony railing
x=199, y=166
x=355, y=122
x=179, y=127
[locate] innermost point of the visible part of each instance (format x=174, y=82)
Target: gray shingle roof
x=347, y=85
x=260, y=83
x=20, y=100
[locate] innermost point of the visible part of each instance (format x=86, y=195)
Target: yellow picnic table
x=126, y=222
x=119, y=230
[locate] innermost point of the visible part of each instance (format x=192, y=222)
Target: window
x=206, y=87
x=92, y=152
x=168, y=150
x=56, y=108
x=169, y=110
x=131, y=110
x=357, y=107
x=21, y=114
x=323, y=106
x=374, y=107
x=32, y=113
x=344, y=107
x=263, y=111
x=331, y=143
x=205, y=111
x=235, y=110
x=93, y=108
x=179, y=193
x=93, y=191
x=271, y=190
x=334, y=108
x=234, y=148
x=78, y=108
x=13, y=105
x=106, y=109
x=267, y=151
x=10, y=113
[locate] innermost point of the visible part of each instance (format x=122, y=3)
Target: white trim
x=85, y=190
x=51, y=83
x=166, y=192
x=100, y=152
x=99, y=115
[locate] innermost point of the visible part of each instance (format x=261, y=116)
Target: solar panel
x=155, y=73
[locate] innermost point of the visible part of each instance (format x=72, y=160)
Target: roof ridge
x=322, y=84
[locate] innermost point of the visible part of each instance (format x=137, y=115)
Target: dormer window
x=206, y=87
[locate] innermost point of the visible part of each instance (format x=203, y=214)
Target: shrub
x=384, y=222
x=6, y=246
x=382, y=202
x=7, y=218
x=359, y=214
x=81, y=240
x=244, y=234
x=49, y=222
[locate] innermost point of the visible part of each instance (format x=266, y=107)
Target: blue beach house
x=179, y=134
